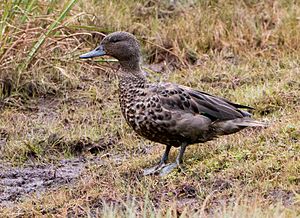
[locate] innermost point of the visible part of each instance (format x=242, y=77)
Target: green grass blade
x=9, y=9
x=90, y=28
x=28, y=9
x=8, y=13
x=51, y=6
x=106, y=60
x=4, y=17
x=42, y=38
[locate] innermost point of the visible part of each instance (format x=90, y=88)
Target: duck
x=168, y=113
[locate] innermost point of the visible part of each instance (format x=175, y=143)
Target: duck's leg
x=168, y=168
x=161, y=163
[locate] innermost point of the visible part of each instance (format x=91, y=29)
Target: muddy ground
x=18, y=182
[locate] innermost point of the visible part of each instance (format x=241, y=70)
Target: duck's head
x=121, y=45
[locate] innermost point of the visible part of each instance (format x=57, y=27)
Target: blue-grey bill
x=95, y=53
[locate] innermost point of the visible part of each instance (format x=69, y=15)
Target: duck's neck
x=132, y=69
x=131, y=77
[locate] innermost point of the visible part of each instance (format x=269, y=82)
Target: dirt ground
x=18, y=182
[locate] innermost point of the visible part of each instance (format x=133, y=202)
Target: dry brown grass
x=59, y=107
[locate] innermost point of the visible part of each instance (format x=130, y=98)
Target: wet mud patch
x=18, y=182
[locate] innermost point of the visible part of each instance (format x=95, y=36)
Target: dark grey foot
x=169, y=168
x=153, y=170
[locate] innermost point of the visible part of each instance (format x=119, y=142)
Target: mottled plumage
x=168, y=113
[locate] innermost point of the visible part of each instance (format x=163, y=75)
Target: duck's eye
x=114, y=40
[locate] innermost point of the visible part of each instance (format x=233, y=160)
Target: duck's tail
x=248, y=122
x=232, y=126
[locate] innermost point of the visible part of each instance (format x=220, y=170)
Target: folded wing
x=176, y=97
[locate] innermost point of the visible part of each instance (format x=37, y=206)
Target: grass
x=56, y=106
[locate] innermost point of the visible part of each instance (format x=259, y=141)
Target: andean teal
x=168, y=113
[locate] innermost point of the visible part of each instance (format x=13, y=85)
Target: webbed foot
x=168, y=169
x=157, y=168
x=153, y=170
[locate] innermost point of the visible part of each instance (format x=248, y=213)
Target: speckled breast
x=142, y=111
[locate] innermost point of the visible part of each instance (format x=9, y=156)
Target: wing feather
x=176, y=97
